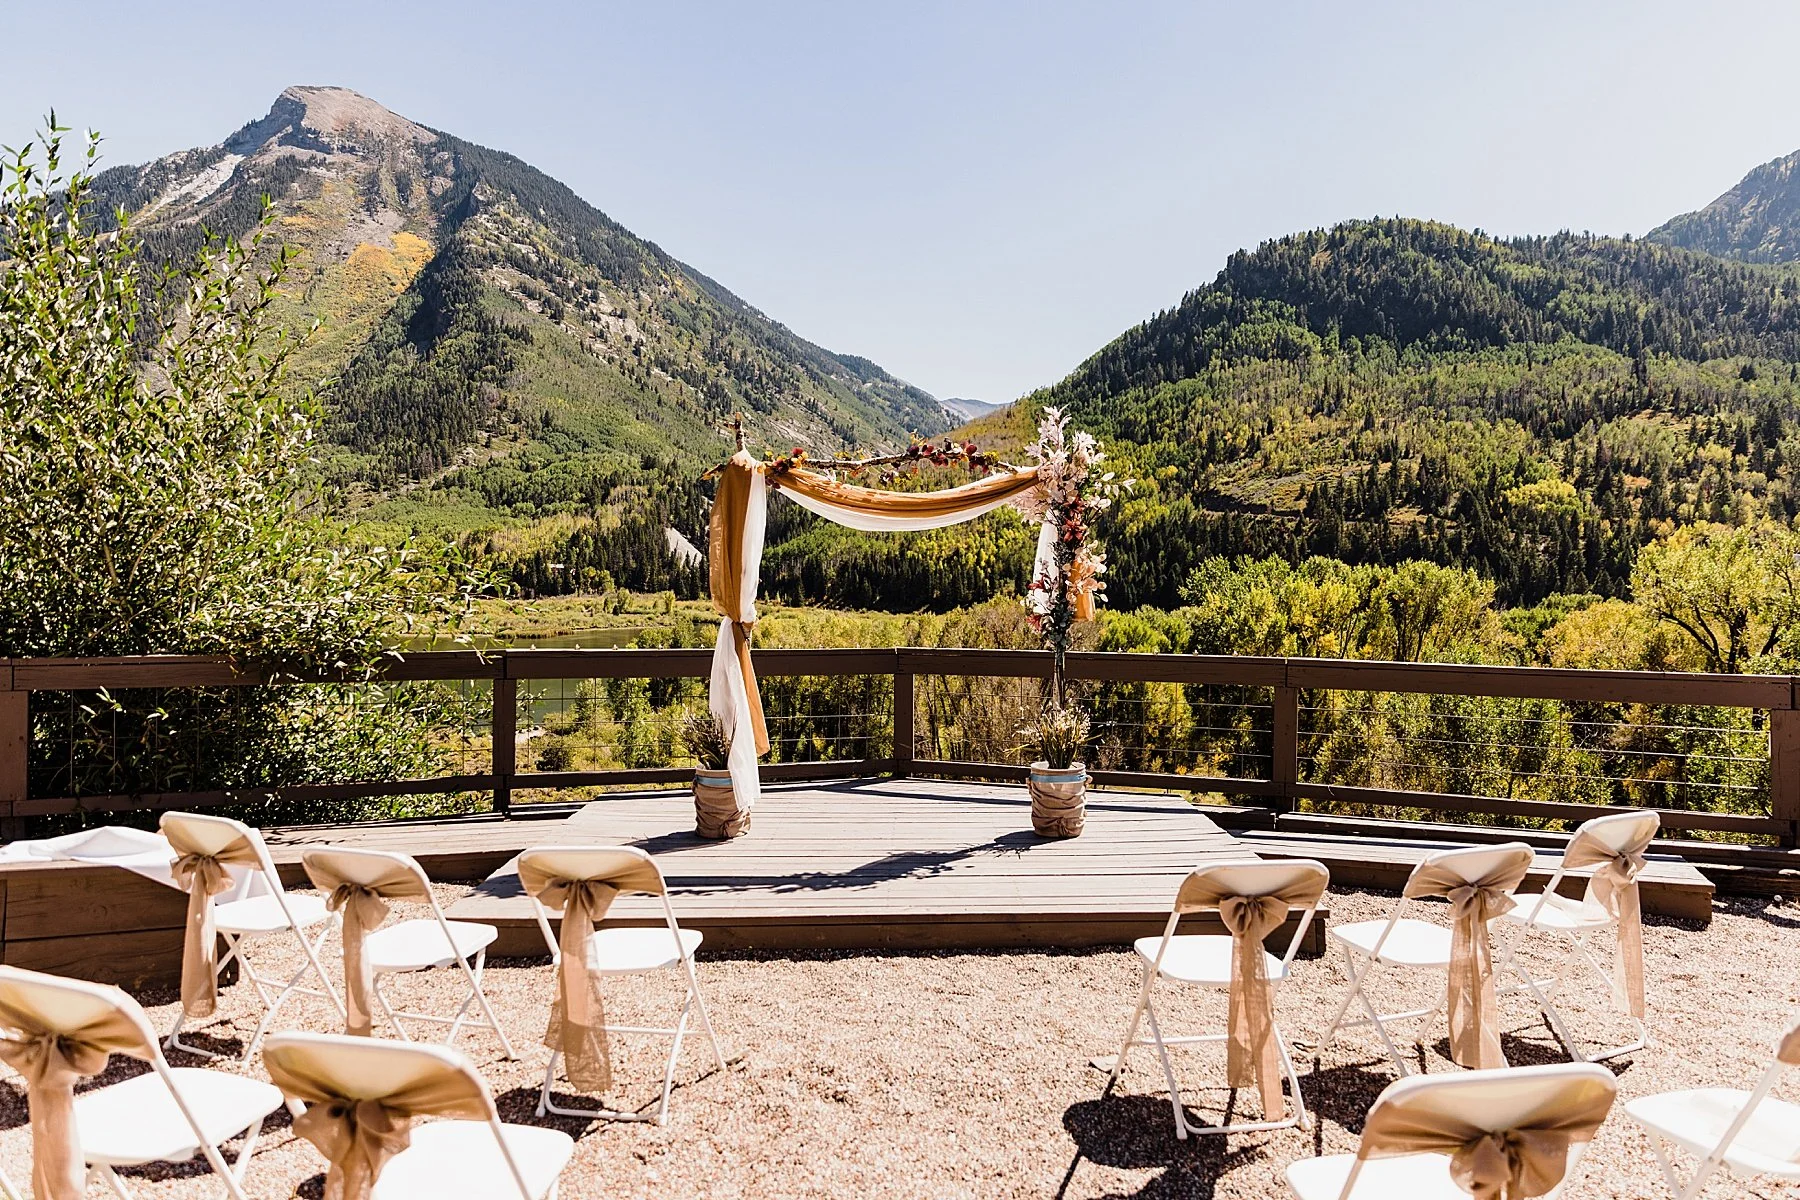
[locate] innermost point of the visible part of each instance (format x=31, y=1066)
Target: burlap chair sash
x=362, y=899
x=1527, y=1160
x=1251, y=1054
x=203, y=872
x=358, y=1134
x=1474, y=1041
x=1614, y=887
x=52, y=1053
x=577, y=1025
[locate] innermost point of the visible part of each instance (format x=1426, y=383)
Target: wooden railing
x=1279, y=787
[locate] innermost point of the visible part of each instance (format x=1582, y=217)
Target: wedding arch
x=1060, y=490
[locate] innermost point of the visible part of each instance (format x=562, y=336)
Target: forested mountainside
x=1756, y=221
x=496, y=352
x=1535, y=409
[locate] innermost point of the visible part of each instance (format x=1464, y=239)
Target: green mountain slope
x=1536, y=409
x=485, y=325
x=1756, y=221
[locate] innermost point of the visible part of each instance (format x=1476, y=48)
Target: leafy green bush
x=156, y=497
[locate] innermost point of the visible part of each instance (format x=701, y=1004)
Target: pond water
x=583, y=639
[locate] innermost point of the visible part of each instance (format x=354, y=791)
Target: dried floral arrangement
x=1068, y=582
x=1056, y=737
x=705, y=739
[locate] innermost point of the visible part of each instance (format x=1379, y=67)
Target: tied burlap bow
x=203, y=874
x=51, y=1060
x=358, y=1135
x=1525, y=1161
x=1251, y=1054
x=716, y=811
x=364, y=907
x=1614, y=888
x=578, y=1016
x=1474, y=1042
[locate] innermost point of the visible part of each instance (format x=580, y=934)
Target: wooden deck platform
x=890, y=864
x=864, y=864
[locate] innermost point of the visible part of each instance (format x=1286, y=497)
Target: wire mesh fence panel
x=133, y=742
x=622, y=724
x=973, y=718
x=1693, y=757
x=1184, y=729
x=1187, y=729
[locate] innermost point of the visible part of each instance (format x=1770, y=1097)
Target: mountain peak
x=1756, y=221
x=326, y=119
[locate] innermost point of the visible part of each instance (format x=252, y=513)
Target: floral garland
x=889, y=467
x=1068, y=583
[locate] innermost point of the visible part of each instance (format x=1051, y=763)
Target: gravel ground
x=949, y=1075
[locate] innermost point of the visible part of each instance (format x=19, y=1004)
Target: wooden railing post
x=903, y=715
x=15, y=742
x=1784, y=771
x=506, y=741
x=1284, y=770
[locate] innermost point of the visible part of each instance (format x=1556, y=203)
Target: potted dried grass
x=716, y=811
x=1058, y=779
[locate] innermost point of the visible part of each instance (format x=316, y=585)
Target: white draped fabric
x=872, y=522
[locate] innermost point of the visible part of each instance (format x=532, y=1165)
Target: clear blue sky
x=978, y=196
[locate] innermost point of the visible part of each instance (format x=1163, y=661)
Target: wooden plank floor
x=890, y=864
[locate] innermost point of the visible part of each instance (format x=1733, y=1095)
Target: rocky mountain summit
x=1756, y=221
x=478, y=313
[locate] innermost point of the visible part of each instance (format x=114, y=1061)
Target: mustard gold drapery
x=735, y=545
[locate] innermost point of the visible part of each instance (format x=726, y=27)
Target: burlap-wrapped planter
x=1058, y=799
x=716, y=811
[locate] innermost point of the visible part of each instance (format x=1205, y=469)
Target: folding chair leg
x=662, y=1112
x=1400, y=1062
x=1293, y=1078
x=488, y=1009
x=1181, y=1125
x=543, y=1104
x=387, y=1008
x=262, y=1026
x=1356, y=975
x=111, y=1179
x=700, y=1005
x=1131, y=1027
x=245, y=1151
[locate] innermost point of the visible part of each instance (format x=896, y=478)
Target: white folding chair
x=261, y=908
x=169, y=1114
x=620, y=951
x=419, y=944
x=1418, y=1126
x=1574, y=921
x=1747, y=1132
x=468, y=1155
x=1205, y=960
x=1406, y=944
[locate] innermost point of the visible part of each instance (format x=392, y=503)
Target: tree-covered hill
x=1536, y=409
